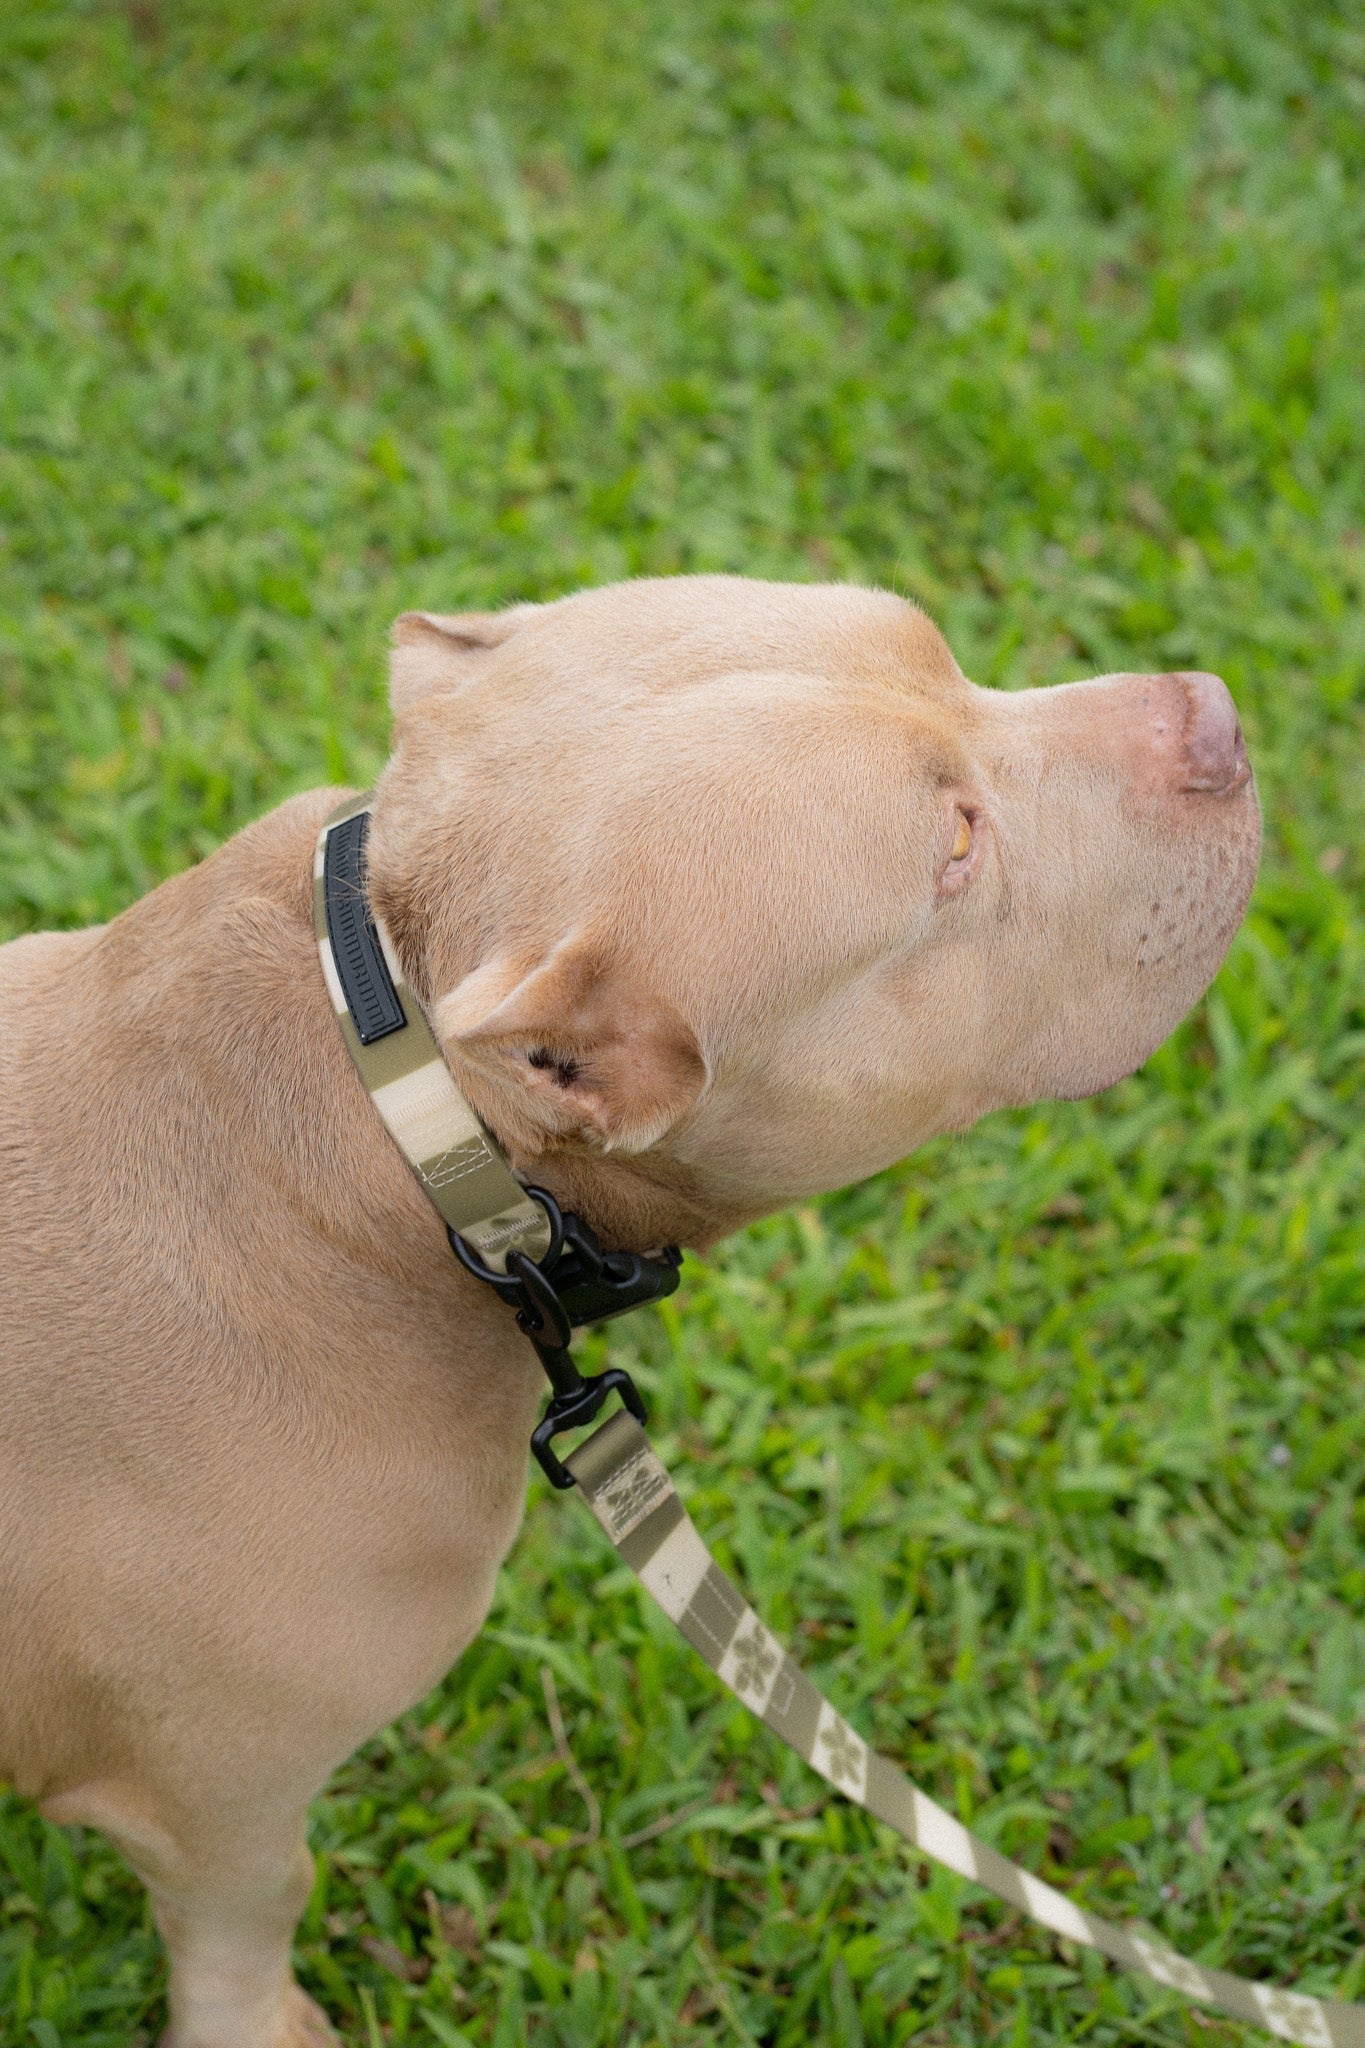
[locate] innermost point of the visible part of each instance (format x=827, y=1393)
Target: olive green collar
x=455, y=1158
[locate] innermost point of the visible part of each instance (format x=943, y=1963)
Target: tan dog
x=718, y=893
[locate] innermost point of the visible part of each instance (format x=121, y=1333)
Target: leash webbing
x=460, y=1166
x=629, y=1491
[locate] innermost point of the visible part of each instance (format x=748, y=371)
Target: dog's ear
x=445, y=650
x=572, y=1051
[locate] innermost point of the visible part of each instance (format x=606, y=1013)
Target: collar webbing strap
x=397, y=1057
x=633, y=1498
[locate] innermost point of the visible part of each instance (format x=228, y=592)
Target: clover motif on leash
x=755, y=1661
x=1293, y=2016
x=843, y=1754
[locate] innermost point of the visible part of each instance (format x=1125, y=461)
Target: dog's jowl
x=716, y=894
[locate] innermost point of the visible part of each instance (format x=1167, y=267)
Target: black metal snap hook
x=572, y=1410
x=542, y=1315
x=575, y=1283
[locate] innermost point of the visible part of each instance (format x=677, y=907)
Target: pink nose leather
x=1213, y=756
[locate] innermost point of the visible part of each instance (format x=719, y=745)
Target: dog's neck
x=633, y=1201
x=233, y=938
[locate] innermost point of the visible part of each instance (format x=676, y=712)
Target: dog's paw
x=306, y=2025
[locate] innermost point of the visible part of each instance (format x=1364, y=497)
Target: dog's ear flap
x=570, y=1051
x=443, y=650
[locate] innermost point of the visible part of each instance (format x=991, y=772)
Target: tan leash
x=632, y=1496
x=550, y=1270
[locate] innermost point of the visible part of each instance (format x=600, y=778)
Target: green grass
x=1047, y=1448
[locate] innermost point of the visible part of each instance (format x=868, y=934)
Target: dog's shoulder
x=32, y=972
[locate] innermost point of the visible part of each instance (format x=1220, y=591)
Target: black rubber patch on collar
x=361, y=967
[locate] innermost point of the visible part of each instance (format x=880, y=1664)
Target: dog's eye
x=962, y=837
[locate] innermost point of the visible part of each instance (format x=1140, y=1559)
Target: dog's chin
x=1092, y=1076
x=1112, y=1066
x=1086, y=1091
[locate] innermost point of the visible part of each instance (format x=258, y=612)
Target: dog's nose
x=1203, y=733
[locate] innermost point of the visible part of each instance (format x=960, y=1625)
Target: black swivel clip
x=576, y=1282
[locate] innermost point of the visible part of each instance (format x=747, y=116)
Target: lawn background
x=1047, y=1448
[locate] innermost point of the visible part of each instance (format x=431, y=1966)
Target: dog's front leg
x=227, y=1886
x=228, y=1940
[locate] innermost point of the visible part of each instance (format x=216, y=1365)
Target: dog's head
x=721, y=892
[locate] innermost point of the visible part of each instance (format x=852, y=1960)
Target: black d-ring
x=506, y=1285
x=575, y=1283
